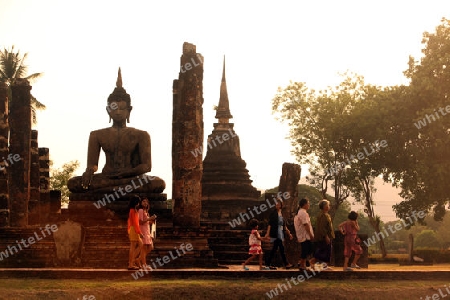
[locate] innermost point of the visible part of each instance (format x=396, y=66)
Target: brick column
x=33, y=204
x=4, y=132
x=290, y=176
x=187, y=135
x=44, y=185
x=20, y=154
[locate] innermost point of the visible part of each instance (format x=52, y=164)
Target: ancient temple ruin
x=95, y=221
x=187, y=135
x=226, y=185
x=25, y=196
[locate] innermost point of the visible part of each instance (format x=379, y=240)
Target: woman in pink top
x=145, y=222
x=352, y=242
x=134, y=234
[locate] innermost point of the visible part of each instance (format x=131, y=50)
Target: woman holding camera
x=145, y=221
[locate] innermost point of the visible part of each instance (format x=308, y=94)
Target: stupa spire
x=119, y=79
x=223, y=109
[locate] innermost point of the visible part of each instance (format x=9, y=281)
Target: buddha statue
x=127, y=151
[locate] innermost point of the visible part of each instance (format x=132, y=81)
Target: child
x=254, y=241
x=350, y=229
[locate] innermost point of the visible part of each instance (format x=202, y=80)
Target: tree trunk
x=376, y=226
x=374, y=221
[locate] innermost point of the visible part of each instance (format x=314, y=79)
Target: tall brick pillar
x=187, y=136
x=33, y=204
x=44, y=185
x=19, y=148
x=4, y=132
x=290, y=176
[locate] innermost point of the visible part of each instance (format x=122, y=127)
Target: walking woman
x=134, y=234
x=276, y=231
x=145, y=221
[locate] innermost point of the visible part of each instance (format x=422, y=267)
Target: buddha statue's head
x=119, y=102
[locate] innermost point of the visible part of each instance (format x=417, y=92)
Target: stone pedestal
x=96, y=210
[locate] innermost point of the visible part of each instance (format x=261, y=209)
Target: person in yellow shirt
x=324, y=234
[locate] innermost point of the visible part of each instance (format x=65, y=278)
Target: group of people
x=316, y=245
x=139, y=233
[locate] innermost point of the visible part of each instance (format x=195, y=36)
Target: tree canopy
x=425, y=133
x=335, y=131
x=13, y=67
x=60, y=177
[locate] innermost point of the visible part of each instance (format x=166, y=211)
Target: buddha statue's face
x=119, y=111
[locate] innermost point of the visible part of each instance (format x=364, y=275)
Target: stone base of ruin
x=92, y=209
x=237, y=212
x=106, y=247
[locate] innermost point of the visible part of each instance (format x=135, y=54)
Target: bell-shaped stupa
x=225, y=177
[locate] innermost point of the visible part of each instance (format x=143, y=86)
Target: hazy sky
x=79, y=45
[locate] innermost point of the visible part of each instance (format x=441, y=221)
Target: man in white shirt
x=305, y=234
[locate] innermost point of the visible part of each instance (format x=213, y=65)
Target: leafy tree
x=442, y=231
x=369, y=147
x=324, y=135
x=427, y=239
x=13, y=67
x=59, y=178
x=424, y=167
x=317, y=122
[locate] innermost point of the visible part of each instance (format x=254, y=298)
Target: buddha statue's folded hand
x=86, y=178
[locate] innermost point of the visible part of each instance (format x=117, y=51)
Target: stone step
x=108, y=246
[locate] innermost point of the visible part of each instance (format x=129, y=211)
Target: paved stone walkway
x=387, y=272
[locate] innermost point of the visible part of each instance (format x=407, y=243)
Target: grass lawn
x=218, y=288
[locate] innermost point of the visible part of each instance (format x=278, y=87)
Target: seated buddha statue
x=127, y=151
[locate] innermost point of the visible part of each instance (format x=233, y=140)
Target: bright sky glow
x=79, y=45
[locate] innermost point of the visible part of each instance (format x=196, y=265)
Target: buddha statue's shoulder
x=100, y=131
x=137, y=132
x=132, y=129
x=128, y=130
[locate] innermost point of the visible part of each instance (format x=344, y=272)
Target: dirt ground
x=223, y=289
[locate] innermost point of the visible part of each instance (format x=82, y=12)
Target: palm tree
x=12, y=67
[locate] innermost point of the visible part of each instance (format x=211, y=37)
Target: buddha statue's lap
x=127, y=152
x=103, y=184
